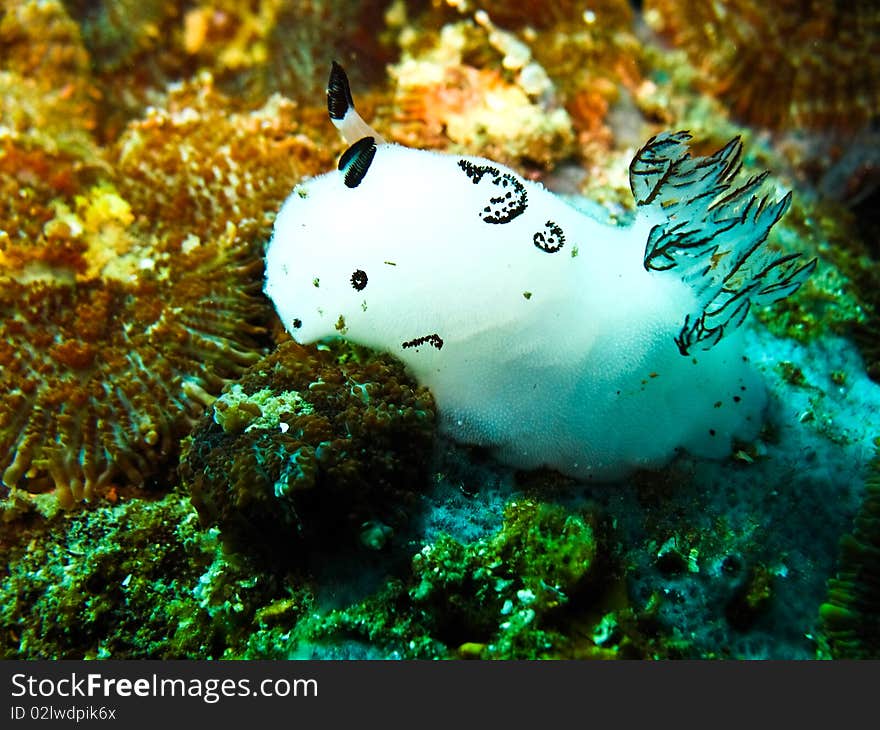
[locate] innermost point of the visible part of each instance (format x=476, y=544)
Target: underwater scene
x=439, y=329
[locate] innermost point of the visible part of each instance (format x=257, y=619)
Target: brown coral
x=258, y=48
x=128, y=303
x=308, y=448
x=99, y=376
x=782, y=64
x=192, y=166
x=540, y=14
x=45, y=82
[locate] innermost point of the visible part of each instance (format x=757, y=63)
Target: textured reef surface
x=178, y=479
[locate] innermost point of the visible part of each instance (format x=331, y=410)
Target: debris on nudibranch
x=127, y=304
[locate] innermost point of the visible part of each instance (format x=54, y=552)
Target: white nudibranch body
x=554, y=339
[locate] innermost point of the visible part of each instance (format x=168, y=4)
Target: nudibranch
x=550, y=337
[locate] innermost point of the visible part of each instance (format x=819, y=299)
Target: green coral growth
x=537, y=588
x=107, y=583
x=501, y=591
x=135, y=580
x=308, y=447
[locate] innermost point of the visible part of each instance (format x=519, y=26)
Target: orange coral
x=478, y=111
x=566, y=61
x=477, y=90
x=192, y=166
x=782, y=64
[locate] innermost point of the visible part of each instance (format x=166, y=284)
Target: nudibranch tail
x=340, y=107
x=713, y=234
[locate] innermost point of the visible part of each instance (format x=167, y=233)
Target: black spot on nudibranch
x=359, y=280
x=356, y=160
x=510, y=203
x=434, y=340
x=339, y=99
x=297, y=323
x=551, y=239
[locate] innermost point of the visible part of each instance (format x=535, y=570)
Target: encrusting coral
x=442, y=101
x=306, y=448
x=544, y=585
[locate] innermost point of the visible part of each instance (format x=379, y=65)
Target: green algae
x=306, y=448
x=498, y=597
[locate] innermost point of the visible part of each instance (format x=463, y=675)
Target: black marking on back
x=434, y=340
x=502, y=208
x=359, y=279
x=551, y=239
x=355, y=161
x=339, y=99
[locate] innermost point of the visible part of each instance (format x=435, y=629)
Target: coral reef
x=136, y=580
x=194, y=166
x=783, y=64
x=543, y=585
x=99, y=375
x=132, y=288
x=443, y=102
x=47, y=91
x=124, y=32
x=256, y=49
x=525, y=85
x=501, y=592
x=253, y=49
x=305, y=449
x=144, y=152
x=107, y=583
x=850, y=616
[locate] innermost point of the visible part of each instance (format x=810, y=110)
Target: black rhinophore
x=355, y=161
x=339, y=99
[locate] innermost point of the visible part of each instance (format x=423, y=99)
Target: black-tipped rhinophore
x=355, y=161
x=339, y=99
